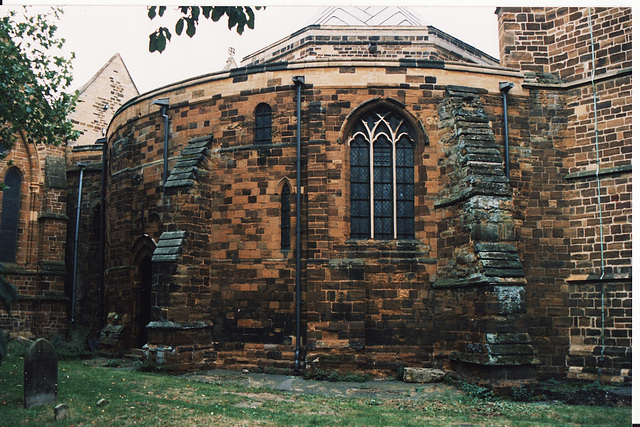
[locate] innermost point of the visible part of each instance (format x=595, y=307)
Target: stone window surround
x=393, y=135
x=263, y=122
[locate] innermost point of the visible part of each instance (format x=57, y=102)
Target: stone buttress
x=480, y=286
x=180, y=334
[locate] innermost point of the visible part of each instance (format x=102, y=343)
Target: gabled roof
x=367, y=15
x=375, y=34
x=99, y=98
x=115, y=57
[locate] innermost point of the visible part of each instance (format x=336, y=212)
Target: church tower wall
x=573, y=171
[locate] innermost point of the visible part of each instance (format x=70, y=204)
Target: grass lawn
x=154, y=399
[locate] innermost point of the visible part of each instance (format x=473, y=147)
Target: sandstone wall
x=39, y=269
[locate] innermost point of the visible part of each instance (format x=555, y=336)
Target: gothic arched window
x=285, y=218
x=10, y=216
x=262, y=130
x=381, y=156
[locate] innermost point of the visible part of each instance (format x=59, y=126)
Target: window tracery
x=382, y=177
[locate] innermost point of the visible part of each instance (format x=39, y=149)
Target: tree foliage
x=237, y=16
x=33, y=80
x=33, y=101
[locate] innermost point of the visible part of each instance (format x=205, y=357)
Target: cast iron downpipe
x=81, y=165
x=103, y=180
x=164, y=105
x=299, y=82
x=594, y=92
x=504, y=88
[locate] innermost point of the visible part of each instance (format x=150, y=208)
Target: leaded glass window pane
x=383, y=189
x=10, y=215
x=285, y=218
x=404, y=189
x=390, y=207
x=263, y=124
x=360, y=204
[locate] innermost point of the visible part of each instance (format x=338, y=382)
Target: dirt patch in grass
x=589, y=397
x=584, y=394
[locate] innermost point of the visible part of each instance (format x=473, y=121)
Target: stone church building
x=367, y=194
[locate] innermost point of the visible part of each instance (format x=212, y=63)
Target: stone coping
x=596, y=277
x=315, y=64
x=605, y=171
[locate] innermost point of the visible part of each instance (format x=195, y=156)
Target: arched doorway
x=142, y=290
x=143, y=309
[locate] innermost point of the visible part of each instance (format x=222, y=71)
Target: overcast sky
x=96, y=33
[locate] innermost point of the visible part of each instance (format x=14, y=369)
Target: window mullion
x=394, y=190
x=371, y=198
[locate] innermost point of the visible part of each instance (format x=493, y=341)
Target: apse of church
x=340, y=201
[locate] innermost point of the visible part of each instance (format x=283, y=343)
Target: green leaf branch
x=238, y=17
x=34, y=79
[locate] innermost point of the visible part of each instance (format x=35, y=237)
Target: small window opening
x=285, y=218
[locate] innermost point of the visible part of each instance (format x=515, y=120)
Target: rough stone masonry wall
x=100, y=98
x=371, y=296
x=558, y=40
x=368, y=303
x=88, y=273
x=38, y=273
x=413, y=48
x=600, y=238
x=133, y=211
x=247, y=282
x=556, y=175
x=181, y=297
x=253, y=286
x=374, y=43
x=570, y=41
x=613, y=159
x=481, y=288
x=560, y=226
x=537, y=177
x=120, y=220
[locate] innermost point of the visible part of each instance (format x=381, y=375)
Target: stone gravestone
x=40, y=374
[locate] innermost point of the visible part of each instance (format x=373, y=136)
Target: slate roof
x=169, y=246
x=185, y=171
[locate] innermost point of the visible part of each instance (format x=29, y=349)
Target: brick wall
x=226, y=298
x=366, y=305
x=558, y=40
x=38, y=272
x=88, y=280
x=556, y=158
x=600, y=352
x=370, y=43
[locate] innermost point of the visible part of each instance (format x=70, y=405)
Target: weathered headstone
x=61, y=412
x=40, y=374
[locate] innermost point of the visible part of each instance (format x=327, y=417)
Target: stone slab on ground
x=423, y=375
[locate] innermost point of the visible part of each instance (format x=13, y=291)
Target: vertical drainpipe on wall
x=81, y=165
x=103, y=179
x=595, y=121
x=164, y=105
x=504, y=88
x=299, y=82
